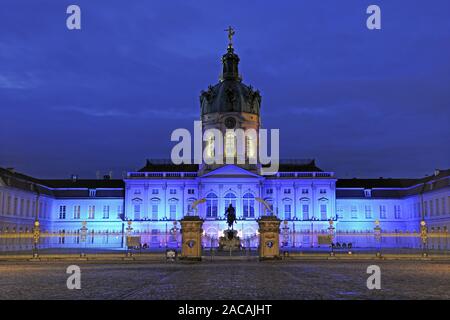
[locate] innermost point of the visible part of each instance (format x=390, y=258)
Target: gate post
x=269, y=237
x=191, y=238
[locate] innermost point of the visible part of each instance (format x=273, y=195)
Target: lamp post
x=83, y=231
x=331, y=234
x=36, y=237
x=377, y=234
x=128, y=230
x=424, y=238
x=285, y=233
x=174, y=231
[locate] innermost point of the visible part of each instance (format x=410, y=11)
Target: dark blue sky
x=363, y=103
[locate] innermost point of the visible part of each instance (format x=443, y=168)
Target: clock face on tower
x=230, y=122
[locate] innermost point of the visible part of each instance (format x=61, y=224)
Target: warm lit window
x=250, y=146
x=210, y=147
x=230, y=144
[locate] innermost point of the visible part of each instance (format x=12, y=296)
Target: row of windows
x=21, y=207
x=288, y=191
x=173, y=191
x=436, y=207
x=368, y=213
x=91, y=213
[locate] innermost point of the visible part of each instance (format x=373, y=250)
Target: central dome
x=230, y=94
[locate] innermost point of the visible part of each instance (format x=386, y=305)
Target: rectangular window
x=22, y=207
x=119, y=212
x=340, y=213
x=368, y=193
x=305, y=210
x=323, y=191
x=382, y=212
x=431, y=208
x=269, y=191
x=154, y=212
x=137, y=212
x=8, y=205
x=155, y=191
x=91, y=212
x=27, y=212
x=173, y=191
x=173, y=211
x=76, y=212
x=62, y=212
x=287, y=191
x=105, y=212
x=16, y=204
x=397, y=212
x=323, y=212
x=354, y=212
x=191, y=191
x=368, y=210
x=287, y=211
x=92, y=193
x=305, y=191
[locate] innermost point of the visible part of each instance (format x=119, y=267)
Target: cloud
x=17, y=81
x=162, y=113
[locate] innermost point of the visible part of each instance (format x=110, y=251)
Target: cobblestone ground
x=226, y=280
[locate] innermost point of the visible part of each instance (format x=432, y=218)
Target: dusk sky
x=362, y=103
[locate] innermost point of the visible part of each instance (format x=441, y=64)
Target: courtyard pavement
x=287, y=279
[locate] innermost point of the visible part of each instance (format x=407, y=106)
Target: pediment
x=230, y=171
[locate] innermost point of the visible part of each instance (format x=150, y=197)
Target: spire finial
x=231, y=33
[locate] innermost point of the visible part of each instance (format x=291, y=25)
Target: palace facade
x=160, y=193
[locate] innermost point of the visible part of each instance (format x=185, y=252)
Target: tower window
x=230, y=144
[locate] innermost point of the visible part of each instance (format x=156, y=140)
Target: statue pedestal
x=269, y=237
x=230, y=241
x=191, y=237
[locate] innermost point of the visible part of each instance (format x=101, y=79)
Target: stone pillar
x=191, y=237
x=269, y=237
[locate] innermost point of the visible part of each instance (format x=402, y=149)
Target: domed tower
x=231, y=105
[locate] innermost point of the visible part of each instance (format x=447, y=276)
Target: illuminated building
x=160, y=193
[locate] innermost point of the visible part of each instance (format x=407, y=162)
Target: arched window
x=230, y=198
x=249, y=205
x=210, y=147
x=287, y=203
x=250, y=146
x=155, y=208
x=230, y=144
x=305, y=208
x=211, y=205
x=137, y=202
